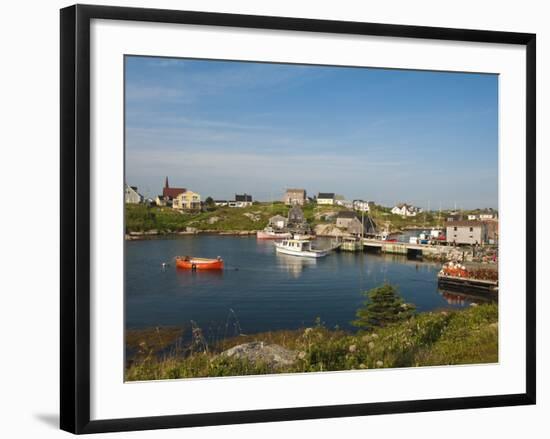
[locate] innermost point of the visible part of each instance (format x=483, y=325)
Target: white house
x=131, y=195
x=487, y=216
x=404, y=209
x=325, y=198
x=345, y=203
x=221, y=203
x=241, y=201
x=362, y=206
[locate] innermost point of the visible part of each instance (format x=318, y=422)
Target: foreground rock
x=272, y=355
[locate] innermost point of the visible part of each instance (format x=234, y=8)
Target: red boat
x=192, y=263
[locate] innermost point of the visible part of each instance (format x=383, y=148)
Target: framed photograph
x=274, y=218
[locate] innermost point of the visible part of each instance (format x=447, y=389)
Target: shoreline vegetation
x=144, y=221
x=390, y=335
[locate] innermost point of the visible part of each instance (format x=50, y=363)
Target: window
x=471, y=229
x=456, y=228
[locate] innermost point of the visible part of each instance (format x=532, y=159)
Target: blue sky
x=221, y=128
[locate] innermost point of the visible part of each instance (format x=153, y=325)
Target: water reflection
x=294, y=265
x=462, y=299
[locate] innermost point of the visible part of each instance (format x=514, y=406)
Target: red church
x=169, y=193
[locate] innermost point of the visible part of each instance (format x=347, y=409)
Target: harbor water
x=260, y=290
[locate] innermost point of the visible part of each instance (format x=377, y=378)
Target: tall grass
x=427, y=339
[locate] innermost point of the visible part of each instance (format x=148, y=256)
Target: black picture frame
x=75, y=217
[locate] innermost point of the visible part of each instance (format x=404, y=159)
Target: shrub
x=383, y=306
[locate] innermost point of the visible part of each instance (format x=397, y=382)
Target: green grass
x=427, y=339
x=141, y=218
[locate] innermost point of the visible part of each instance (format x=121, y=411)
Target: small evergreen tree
x=384, y=306
x=209, y=203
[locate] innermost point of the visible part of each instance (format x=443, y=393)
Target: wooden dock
x=400, y=248
x=465, y=283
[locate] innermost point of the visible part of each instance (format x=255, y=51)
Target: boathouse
x=466, y=232
x=350, y=221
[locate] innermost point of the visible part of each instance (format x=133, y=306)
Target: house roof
x=173, y=192
x=326, y=195
x=277, y=218
x=243, y=197
x=296, y=190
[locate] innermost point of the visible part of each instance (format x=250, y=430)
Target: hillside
x=142, y=218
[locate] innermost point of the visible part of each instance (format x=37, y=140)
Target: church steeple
x=166, y=183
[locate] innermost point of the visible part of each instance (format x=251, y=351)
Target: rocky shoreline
x=152, y=234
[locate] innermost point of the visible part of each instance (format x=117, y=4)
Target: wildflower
x=307, y=331
x=374, y=335
x=379, y=363
x=363, y=366
x=371, y=345
x=365, y=338
x=301, y=355
x=352, y=348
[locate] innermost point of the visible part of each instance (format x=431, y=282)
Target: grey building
x=466, y=232
x=295, y=196
x=350, y=221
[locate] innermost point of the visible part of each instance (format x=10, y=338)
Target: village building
x=296, y=220
x=243, y=200
x=344, y=203
x=131, y=195
x=483, y=215
x=295, y=196
x=405, y=209
x=187, y=200
x=168, y=194
x=171, y=192
x=350, y=221
x=221, y=203
x=363, y=206
x=466, y=232
x=278, y=222
x=325, y=198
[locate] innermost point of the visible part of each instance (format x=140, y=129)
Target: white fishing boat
x=300, y=247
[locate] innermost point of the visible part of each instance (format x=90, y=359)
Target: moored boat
x=192, y=263
x=270, y=233
x=299, y=247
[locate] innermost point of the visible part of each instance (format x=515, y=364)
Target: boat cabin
x=297, y=244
